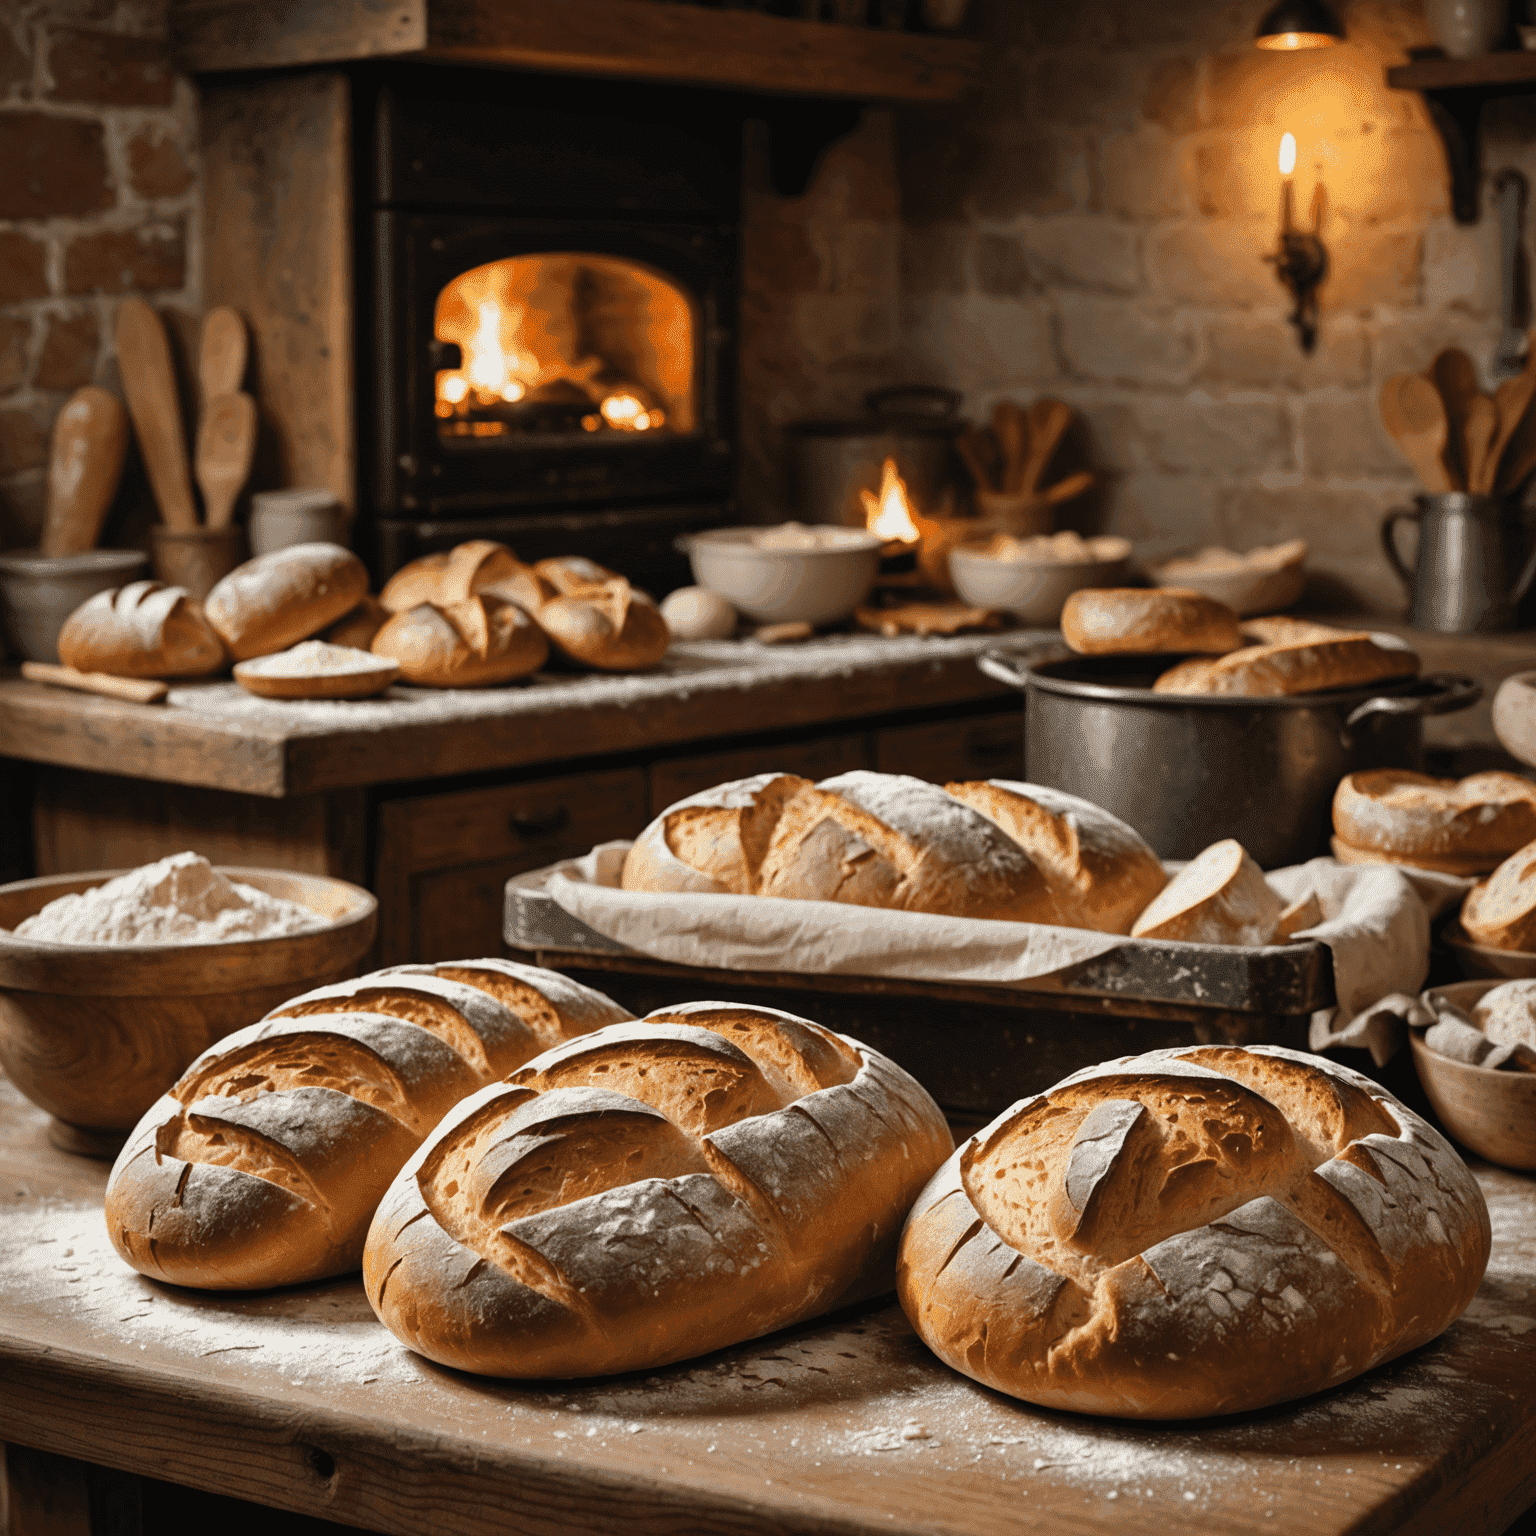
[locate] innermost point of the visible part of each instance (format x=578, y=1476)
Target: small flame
x=1287, y=154
x=625, y=412
x=890, y=513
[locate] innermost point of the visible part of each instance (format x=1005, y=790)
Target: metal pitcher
x=1468, y=547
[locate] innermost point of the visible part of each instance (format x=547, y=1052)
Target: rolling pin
x=144, y=359
x=135, y=690
x=90, y=438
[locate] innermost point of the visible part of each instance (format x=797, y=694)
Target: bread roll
x=612, y=627
x=574, y=573
x=1100, y=871
x=1192, y=1232
x=280, y=598
x=1101, y=621
x=1507, y=1014
x=358, y=627
x=1500, y=912
x=1462, y=827
x=449, y=577
x=263, y=1164
x=141, y=630
x=472, y=644
x=696, y=613
x=1220, y=897
x=652, y=1192
x=1304, y=666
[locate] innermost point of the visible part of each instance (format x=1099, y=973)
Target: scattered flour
x=317, y=658
x=180, y=900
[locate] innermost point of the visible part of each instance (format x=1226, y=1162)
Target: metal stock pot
x=1186, y=771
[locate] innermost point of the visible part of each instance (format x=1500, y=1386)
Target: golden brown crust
x=358, y=627
x=1219, y=897
x=1290, y=667
x=611, y=627
x=280, y=598
x=450, y=576
x=1103, y=621
x=1500, y=912
x=1443, y=864
x=1474, y=823
x=568, y=574
x=476, y=643
x=141, y=630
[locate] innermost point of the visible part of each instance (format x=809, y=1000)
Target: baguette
x=141, y=630
x=1464, y=827
x=280, y=598
x=449, y=577
x=1103, y=621
x=263, y=1164
x=651, y=1192
x=478, y=642
x=1291, y=667
x=1192, y=1232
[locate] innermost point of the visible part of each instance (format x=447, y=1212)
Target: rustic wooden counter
x=301, y=1401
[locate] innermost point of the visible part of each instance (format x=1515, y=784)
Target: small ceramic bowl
x=1033, y=591
x=38, y=592
x=1491, y=1113
x=786, y=586
x=1266, y=586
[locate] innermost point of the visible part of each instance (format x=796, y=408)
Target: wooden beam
x=210, y=36
x=1454, y=74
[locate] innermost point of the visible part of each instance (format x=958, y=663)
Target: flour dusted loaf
x=1500, y=912
x=1101, y=621
x=263, y=1164
x=650, y=1192
x=141, y=630
x=450, y=576
x=1303, y=658
x=611, y=627
x=1461, y=827
x=1192, y=1232
x=1219, y=897
x=574, y=573
x=280, y=598
x=480, y=641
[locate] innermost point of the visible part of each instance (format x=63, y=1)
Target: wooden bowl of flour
x=95, y=1033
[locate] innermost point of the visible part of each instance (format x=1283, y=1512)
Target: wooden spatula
x=1048, y=421
x=1455, y=375
x=1065, y=490
x=1414, y=414
x=225, y=442
x=1513, y=399
x=90, y=438
x=144, y=357
x=222, y=356
x=1012, y=433
x=1481, y=428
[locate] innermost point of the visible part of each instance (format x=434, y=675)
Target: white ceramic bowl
x=1031, y=590
x=1247, y=590
x=784, y=586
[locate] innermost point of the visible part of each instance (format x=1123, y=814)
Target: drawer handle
x=541, y=824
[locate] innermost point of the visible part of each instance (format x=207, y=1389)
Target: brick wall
x=98, y=199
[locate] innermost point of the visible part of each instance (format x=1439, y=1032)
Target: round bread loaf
x=1102, y=621
x=1462, y=827
x=1192, y=1232
x=449, y=576
x=141, y=630
x=476, y=643
x=1219, y=897
x=1500, y=912
x=574, y=573
x=651, y=1192
x=1291, y=666
x=1507, y=1014
x=358, y=627
x=696, y=613
x=280, y=598
x=263, y=1164
x=612, y=627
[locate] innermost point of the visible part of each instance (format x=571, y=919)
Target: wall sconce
x=1301, y=262
x=1295, y=24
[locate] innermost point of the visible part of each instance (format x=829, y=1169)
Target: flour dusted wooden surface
x=216, y=734
x=300, y=1400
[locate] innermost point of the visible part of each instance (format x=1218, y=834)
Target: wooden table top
x=300, y=1400
x=215, y=734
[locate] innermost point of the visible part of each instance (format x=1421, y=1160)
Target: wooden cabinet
x=681, y=776
x=981, y=747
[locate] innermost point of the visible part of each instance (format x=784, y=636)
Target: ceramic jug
x=1463, y=580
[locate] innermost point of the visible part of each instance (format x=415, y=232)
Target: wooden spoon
x=1048, y=421
x=1065, y=490
x=144, y=357
x=1481, y=429
x=225, y=442
x=1513, y=399
x=90, y=438
x=222, y=356
x=1414, y=414
x=1011, y=430
x=1455, y=375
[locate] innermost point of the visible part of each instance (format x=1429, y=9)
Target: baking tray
x=976, y=1048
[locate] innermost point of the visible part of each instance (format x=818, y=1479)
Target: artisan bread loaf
x=141, y=630
x=475, y=643
x=1219, y=897
x=1507, y=1014
x=611, y=627
x=574, y=573
x=1500, y=912
x=1291, y=666
x=1100, y=871
x=280, y=598
x=449, y=576
x=263, y=1164
x=1192, y=1232
x=651, y=1192
x=1461, y=827
x=1101, y=621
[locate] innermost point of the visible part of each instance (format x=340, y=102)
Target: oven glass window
x=565, y=344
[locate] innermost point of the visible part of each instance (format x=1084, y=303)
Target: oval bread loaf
x=651, y=1192
x=1103, y=621
x=141, y=630
x=1192, y=1232
x=1500, y=912
x=450, y=576
x=280, y=598
x=611, y=627
x=1460, y=827
x=476, y=643
x=263, y=1164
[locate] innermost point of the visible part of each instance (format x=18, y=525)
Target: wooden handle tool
x=222, y=355
x=144, y=357
x=1048, y=421
x=979, y=451
x=225, y=442
x=1413, y=412
x=1481, y=428
x=90, y=438
x=134, y=690
x=1011, y=431
x=1513, y=399
x=1454, y=374
x=1065, y=490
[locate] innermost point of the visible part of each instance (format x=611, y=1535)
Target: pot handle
x=1453, y=692
x=1389, y=541
x=932, y=400
x=1013, y=667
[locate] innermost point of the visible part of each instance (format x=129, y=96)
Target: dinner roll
x=1099, y=621
x=280, y=598
x=141, y=630
x=1192, y=1232
x=1219, y=897
x=1500, y=912
x=611, y=627
x=449, y=576
x=472, y=644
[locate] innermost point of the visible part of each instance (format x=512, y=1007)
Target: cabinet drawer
x=672, y=780
x=983, y=747
x=459, y=911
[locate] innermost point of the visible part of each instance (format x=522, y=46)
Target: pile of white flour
x=180, y=900
x=317, y=658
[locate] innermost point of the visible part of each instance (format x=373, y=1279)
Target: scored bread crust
x=1500, y=912
x=1104, y=621
x=450, y=576
x=1444, y=864
x=1290, y=667
x=569, y=574
x=141, y=630
x=651, y=1192
x=1219, y=897
x=1199, y=1231
x=1477, y=821
x=479, y=642
x=280, y=598
x=263, y=1163
x=611, y=627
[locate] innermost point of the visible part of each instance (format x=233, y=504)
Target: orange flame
x=890, y=513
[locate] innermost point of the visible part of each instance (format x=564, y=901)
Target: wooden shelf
x=1463, y=74
x=634, y=39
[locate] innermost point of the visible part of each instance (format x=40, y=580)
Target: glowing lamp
x=1296, y=24
x=1301, y=262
